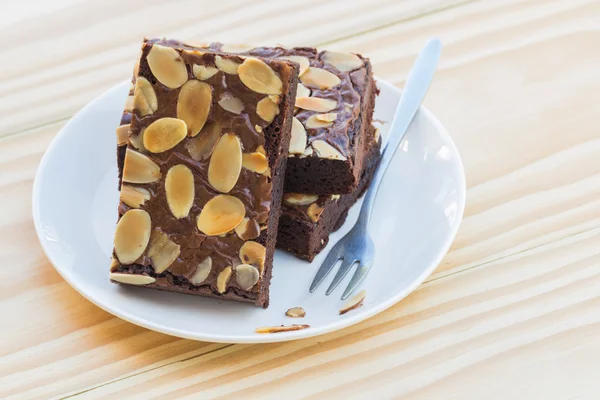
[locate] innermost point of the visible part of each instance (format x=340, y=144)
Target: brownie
x=203, y=172
x=308, y=219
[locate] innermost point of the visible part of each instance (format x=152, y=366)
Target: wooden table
x=512, y=312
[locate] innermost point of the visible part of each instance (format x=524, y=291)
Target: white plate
x=417, y=213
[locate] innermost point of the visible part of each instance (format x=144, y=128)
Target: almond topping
x=202, y=271
x=128, y=104
x=138, y=168
x=131, y=279
x=122, y=134
x=220, y=215
x=316, y=104
x=259, y=77
x=267, y=109
x=144, y=97
x=319, y=78
x=300, y=199
x=193, y=105
x=179, y=189
x=202, y=146
x=325, y=150
x=248, y=229
x=302, y=91
x=301, y=60
x=132, y=235
x=253, y=253
x=255, y=162
x=314, y=212
x=225, y=163
x=223, y=279
x=320, y=120
x=355, y=302
x=167, y=66
x=282, y=328
x=134, y=196
x=164, y=134
x=261, y=149
x=343, y=61
x=246, y=276
x=227, y=65
x=298, y=139
x=296, y=312
x=231, y=103
x=203, y=72
x=162, y=251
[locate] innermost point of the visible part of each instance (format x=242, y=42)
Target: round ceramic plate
x=417, y=213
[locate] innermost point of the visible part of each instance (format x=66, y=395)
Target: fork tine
x=332, y=258
x=344, y=268
x=357, y=278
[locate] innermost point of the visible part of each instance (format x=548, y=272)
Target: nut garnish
x=114, y=264
x=335, y=197
x=355, y=302
x=325, y=150
x=298, y=138
x=179, y=190
x=162, y=251
x=314, y=212
x=253, y=253
x=308, y=151
x=128, y=104
x=302, y=61
x=164, y=134
x=259, y=77
x=122, y=134
x=231, y=103
x=167, y=66
x=261, y=149
x=343, y=61
x=144, y=97
x=319, y=78
x=267, y=109
x=193, y=105
x=302, y=91
x=320, y=120
x=134, y=196
x=255, y=162
x=203, y=72
x=221, y=214
x=282, y=328
x=247, y=229
x=300, y=199
x=316, y=104
x=225, y=163
x=377, y=134
x=246, y=276
x=202, y=146
x=138, y=168
x=296, y=312
x=132, y=235
x=137, y=141
x=227, y=65
x=131, y=279
x=202, y=271
x=236, y=48
x=223, y=279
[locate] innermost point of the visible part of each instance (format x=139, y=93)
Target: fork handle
x=417, y=84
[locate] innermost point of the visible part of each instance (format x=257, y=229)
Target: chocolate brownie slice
x=203, y=172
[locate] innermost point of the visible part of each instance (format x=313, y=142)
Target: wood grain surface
x=512, y=312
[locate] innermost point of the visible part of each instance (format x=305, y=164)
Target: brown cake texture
x=203, y=166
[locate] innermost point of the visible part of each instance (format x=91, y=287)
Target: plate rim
x=253, y=337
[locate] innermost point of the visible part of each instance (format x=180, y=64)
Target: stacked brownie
x=202, y=151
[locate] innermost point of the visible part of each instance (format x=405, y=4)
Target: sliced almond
x=114, y=264
x=300, y=199
x=298, y=138
x=301, y=60
x=220, y=215
x=259, y=77
x=302, y=91
x=131, y=279
x=258, y=128
x=325, y=150
x=246, y=276
x=223, y=279
x=296, y=312
x=231, y=103
x=236, y=48
x=282, y=328
x=202, y=146
x=377, y=134
x=319, y=78
x=179, y=189
x=335, y=197
x=225, y=163
x=316, y=104
x=203, y=72
x=138, y=142
x=138, y=168
x=134, y=196
x=123, y=134
x=132, y=235
x=193, y=105
x=255, y=162
x=162, y=251
x=343, y=61
x=144, y=97
x=314, y=212
x=308, y=151
x=253, y=253
x=267, y=109
x=248, y=229
x=128, y=104
x=202, y=271
x=167, y=66
x=261, y=149
x=227, y=65
x=320, y=120
x=164, y=134
x=355, y=302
